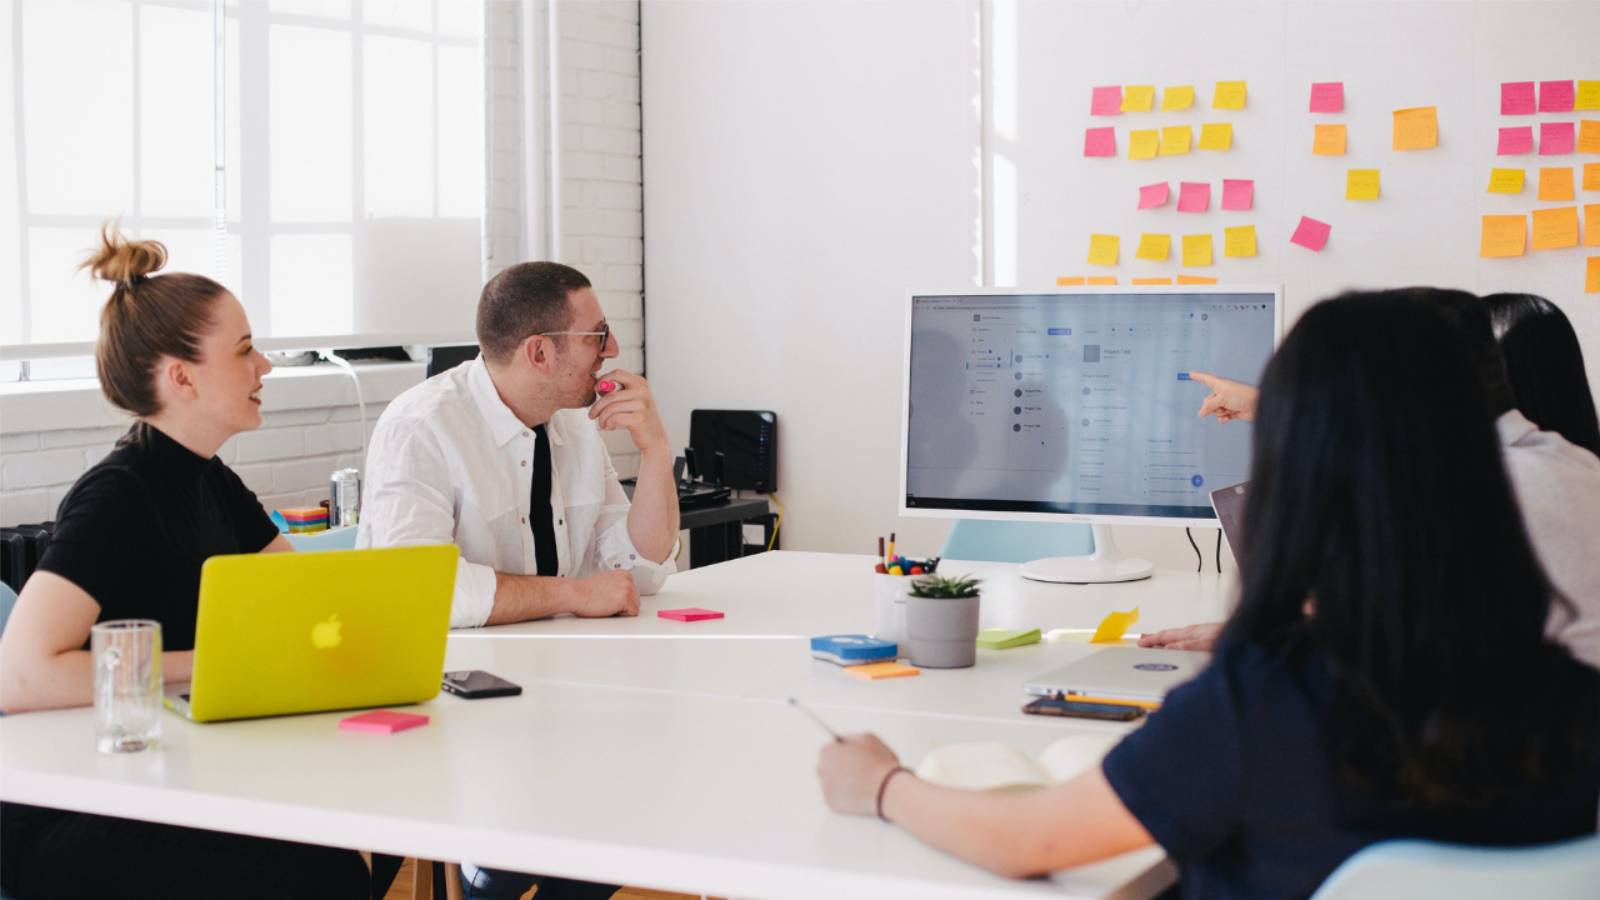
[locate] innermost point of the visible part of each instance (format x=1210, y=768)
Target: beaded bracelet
x=884, y=786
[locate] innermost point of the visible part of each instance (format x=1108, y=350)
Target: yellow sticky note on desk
x=1361, y=184
x=1143, y=143
x=1229, y=95
x=1503, y=236
x=1506, y=181
x=1216, y=136
x=1589, y=136
x=1154, y=246
x=1175, y=140
x=1556, y=228
x=1138, y=97
x=1176, y=97
x=1329, y=140
x=1196, y=250
x=1416, y=128
x=1591, y=225
x=1239, y=241
x=1103, y=249
x=1555, y=184
x=878, y=671
x=1114, y=626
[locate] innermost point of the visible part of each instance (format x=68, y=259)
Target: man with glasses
x=503, y=457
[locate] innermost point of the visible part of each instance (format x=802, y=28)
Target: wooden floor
x=402, y=890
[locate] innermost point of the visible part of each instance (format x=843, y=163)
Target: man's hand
x=633, y=407
x=607, y=594
x=1228, y=400
x=852, y=770
x=1189, y=637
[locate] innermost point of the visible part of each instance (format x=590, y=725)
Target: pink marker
x=605, y=387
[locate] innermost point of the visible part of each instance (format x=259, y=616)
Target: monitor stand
x=1104, y=565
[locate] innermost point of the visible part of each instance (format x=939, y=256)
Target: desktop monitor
x=1075, y=405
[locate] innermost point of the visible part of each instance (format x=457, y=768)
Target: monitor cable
x=777, y=523
x=1219, y=551
x=1199, y=558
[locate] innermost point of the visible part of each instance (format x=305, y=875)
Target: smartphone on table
x=476, y=684
x=1082, y=709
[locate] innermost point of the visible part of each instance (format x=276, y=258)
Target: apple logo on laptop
x=325, y=635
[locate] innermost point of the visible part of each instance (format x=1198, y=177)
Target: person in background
x=130, y=537
x=1377, y=711
x=1557, y=483
x=1544, y=364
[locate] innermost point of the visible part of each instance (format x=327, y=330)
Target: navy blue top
x=1235, y=778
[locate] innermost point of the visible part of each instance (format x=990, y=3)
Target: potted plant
x=942, y=621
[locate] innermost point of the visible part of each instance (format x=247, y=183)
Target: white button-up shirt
x=449, y=462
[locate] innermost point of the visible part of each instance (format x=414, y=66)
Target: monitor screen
x=1078, y=403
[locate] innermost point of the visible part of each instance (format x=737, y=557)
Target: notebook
x=991, y=765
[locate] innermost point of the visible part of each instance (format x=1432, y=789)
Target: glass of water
x=127, y=684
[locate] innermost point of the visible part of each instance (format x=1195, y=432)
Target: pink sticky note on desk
x=1311, y=234
x=1100, y=141
x=1107, y=101
x=1555, y=96
x=382, y=721
x=1154, y=195
x=1194, y=196
x=1327, y=96
x=1516, y=98
x=689, y=614
x=1516, y=141
x=1555, y=138
x=1238, y=193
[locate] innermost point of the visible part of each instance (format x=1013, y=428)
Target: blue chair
x=1015, y=542
x=8, y=600
x=1419, y=870
x=332, y=539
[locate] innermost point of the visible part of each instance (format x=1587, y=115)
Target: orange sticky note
x=1416, y=128
x=1503, y=236
x=1229, y=95
x=1216, y=136
x=1197, y=279
x=1103, y=249
x=1196, y=250
x=1175, y=140
x=1069, y=280
x=1177, y=97
x=1591, y=176
x=1591, y=225
x=1138, y=97
x=1152, y=281
x=1589, y=136
x=1154, y=246
x=1329, y=140
x=1555, y=184
x=1506, y=181
x=880, y=671
x=1101, y=279
x=1591, y=285
x=1239, y=241
x=1556, y=228
x=1361, y=184
x=1143, y=143
x=1115, y=624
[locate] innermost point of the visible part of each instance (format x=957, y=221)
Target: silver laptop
x=1228, y=504
x=1138, y=674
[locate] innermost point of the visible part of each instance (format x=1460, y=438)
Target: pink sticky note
x=689, y=614
x=1107, y=101
x=382, y=721
x=1516, y=98
x=1555, y=96
x=1327, y=96
x=1194, y=196
x=1516, y=141
x=1154, y=195
x=1100, y=141
x=1238, y=193
x=1311, y=234
x=1555, y=138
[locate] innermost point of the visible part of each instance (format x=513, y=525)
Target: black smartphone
x=477, y=684
x=1111, y=712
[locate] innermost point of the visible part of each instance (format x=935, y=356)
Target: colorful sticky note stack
x=689, y=614
x=852, y=649
x=303, y=519
x=1006, y=638
x=882, y=670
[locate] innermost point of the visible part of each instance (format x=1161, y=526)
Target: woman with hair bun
x=175, y=351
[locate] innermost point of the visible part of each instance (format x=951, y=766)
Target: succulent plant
x=941, y=586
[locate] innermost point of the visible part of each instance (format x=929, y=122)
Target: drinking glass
x=127, y=684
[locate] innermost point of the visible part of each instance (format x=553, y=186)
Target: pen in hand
x=795, y=702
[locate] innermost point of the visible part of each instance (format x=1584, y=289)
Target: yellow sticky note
x=1589, y=136
x=1103, y=249
x=1229, y=95
x=1154, y=246
x=1361, y=184
x=1503, y=236
x=1143, y=143
x=1197, y=279
x=1138, y=97
x=1114, y=626
x=1588, y=96
x=1591, y=225
x=1506, y=181
x=1069, y=280
x=1152, y=281
x=1197, y=250
x=1591, y=285
x=1329, y=140
x=1102, y=279
x=1416, y=128
x=1555, y=184
x=1216, y=136
x=1591, y=176
x=1175, y=140
x=1176, y=97
x=1556, y=228
x=1239, y=241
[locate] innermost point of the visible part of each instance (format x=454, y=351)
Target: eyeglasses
x=604, y=334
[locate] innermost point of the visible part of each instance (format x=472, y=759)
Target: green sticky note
x=1006, y=638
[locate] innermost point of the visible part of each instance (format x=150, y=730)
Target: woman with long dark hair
x=1386, y=673
x=1545, y=365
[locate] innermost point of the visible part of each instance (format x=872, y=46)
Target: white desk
x=629, y=758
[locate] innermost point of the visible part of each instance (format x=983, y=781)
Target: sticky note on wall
x=1143, y=143
x=1101, y=279
x=1138, y=97
x=1515, y=141
x=1555, y=96
x=1194, y=196
x=1591, y=225
x=1554, y=229
x=1555, y=138
x=1196, y=279
x=1416, y=128
x=1328, y=140
x=1591, y=176
x=1503, y=236
x=1589, y=136
x=1361, y=184
x=1069, y=281
x=1216, y=136
x=1175, y=140
x=1229, y=95
x=1591, y=284
x=1555, y=184
x=1154, y=246
x=1588, y=95
x=1177, y=97
x=1154, y=195
x=1152, y=281
x=1238, y=193
x=1327, y=97
x=1100, y=141
x=1516, y=98
x=1506, y=181
x=1196, y=250
x=1106, y=101
x=1239, y=241
x=1103, y=249
x=1311, y=234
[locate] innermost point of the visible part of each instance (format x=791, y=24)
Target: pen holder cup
x=942, y=632
x=889, y=608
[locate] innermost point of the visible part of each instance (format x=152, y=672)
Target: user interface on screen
x=1078, y=403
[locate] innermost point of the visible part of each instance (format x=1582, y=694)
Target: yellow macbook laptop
x=282, y=633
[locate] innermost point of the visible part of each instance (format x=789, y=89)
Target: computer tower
x=747, y=440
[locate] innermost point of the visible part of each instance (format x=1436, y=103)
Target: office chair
x=1015, y=542
x=332, y=539
x=1420, y=870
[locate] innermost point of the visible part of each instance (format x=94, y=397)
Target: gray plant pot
x=942, y=632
